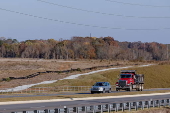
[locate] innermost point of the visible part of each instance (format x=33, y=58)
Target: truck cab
x=128, y=80
x=128, y=77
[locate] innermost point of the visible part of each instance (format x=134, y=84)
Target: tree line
x=83, y=48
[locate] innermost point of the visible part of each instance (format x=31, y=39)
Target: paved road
x=71, y=102
x=70, y=93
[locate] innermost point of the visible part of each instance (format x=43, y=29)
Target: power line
x=97, y=12
x=67, y=22
x=56, y=20
x=125, y=3
x=144, y=29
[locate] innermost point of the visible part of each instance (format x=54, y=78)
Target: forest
x=84, y=48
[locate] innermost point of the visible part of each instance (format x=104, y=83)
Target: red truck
x=129, y=80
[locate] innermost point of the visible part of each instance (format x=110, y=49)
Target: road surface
x=30, y=106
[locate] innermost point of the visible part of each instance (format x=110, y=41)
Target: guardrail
x=50, y=89
x=109, y=107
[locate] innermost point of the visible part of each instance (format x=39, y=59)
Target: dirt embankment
x=25, y=67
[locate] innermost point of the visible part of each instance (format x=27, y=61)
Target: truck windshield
x=125, y=76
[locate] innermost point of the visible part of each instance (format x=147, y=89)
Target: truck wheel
x=117, y=89
x=141, y=87
x=138, y=87
x=130, y=87
x=109, y=91
x=92, y=92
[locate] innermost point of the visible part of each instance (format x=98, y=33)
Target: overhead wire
x=67, y=22
x=56, y=20
x=97, y=12
x=126, y=3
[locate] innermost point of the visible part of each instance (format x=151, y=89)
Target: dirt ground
x=24, y=67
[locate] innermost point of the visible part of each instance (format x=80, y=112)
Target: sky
x=124, y=20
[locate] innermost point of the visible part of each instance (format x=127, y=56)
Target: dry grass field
x=24, y=67
x=156, y=76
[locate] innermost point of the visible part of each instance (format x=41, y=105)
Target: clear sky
x=125, y=20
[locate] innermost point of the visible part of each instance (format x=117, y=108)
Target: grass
x=24, y=67
x=156, y=76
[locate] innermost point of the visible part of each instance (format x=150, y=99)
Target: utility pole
x=144, y=51
x=167, y=52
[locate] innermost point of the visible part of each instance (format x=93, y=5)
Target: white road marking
x=38, y=107
x=87, y=98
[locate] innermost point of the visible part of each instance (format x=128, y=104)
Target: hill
x=22, y=68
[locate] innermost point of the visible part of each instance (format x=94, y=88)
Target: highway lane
x=69, y=93
x=71, y=102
